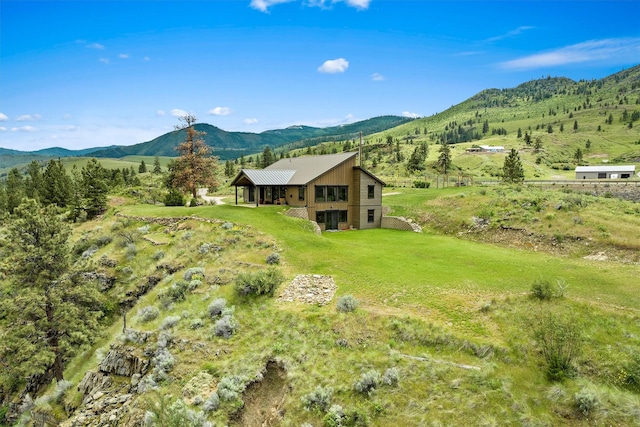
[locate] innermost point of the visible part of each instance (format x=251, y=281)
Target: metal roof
x=309, y=168
x=625, y=168
x=269, y=177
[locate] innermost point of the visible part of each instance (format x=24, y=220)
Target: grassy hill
x=446, y=332
x=606, y=113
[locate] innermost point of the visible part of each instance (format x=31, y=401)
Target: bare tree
x=195, y=167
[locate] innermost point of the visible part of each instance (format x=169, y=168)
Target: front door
x=332, y=220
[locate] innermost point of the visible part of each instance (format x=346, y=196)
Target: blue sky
x=79, y=74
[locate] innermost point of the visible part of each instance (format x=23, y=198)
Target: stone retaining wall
x=400, y=223
x=298, y=213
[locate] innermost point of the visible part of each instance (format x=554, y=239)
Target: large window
x=342, y=216
x=301, y=194
x=332, y=193
x=602, y=175
x=371, y=193
x=320, y=217
x=371, y=215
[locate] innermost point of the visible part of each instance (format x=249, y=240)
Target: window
x=320, y=193
x=342, y=216
x=320, y=217
x=342, y=193
x=372, y=191
x=301, y=194
x=371, y=215
x=332, y=194
x=602, y=175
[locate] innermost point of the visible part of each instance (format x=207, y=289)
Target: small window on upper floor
x=371, y=193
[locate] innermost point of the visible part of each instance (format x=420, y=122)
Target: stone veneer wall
x=400, y=223
x=298, y=213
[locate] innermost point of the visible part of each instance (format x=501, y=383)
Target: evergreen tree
x=3, y=200
x=50, y=312
x=537, y=146
x=512, y=171
x=267, y=157
x=229, y=169
x=195, y=167
x=157, y=169
x=444, y=159
x=33, y=181
x=94, y=188
x=577, y=156
x=14, y=189
x=143, y=167
x=519, y=133
x=57, y=185
x=243, y=162
x=575, y=126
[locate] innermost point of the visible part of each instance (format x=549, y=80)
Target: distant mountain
x=230, y=145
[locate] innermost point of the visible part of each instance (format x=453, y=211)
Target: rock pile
x=310, y=289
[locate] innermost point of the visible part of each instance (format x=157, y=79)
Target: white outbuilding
x=605, y=172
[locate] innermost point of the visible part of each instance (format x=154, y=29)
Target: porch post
x=257, y=196
x=236, y=195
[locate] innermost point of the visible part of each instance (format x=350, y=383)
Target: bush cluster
x=368, y=382
x=560, y=341
x=347, y=304
x=319, y=399
x=230, y=388
x=147, y=314
x=273, y=258
x=193, y=273
x=259, y=283
x=216, y=307
x=226, y=326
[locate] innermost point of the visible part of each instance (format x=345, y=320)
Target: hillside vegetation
x=446, y=331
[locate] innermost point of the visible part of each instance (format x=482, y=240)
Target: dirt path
x=202, y=192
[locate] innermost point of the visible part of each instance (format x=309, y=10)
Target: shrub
x=196, y=324
x=273, y=258
x=335, y=416
x=193, y=271
x=347, y=304
x=227, y=226
x=193, y=202
x=158, y=255
x=541, y=289
x=147, y=314
x=212, y=403
x=144, y=229
x=260, y=283
x=421, y=184
x=230, y=388
x=368, y=382
x=632, y=369
x=174, y=293
x=391, y=377
x=174, y=198
x=586, y=401
x=319, y=399
x=194, y=284
x=560, y=341
x=216, y=307
x=226, y=326
x=169, y=322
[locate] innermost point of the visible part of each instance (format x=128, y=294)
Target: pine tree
x=33, y=181
x=444, y=159
x=57, y=185
x=3, y=201
x=229, y=169
x=195, y=167
x=94, y=188
x=14, y=189
x=512, y=171
x=157, y=169
x=267, y=157
x=143, y=167
x=577, y=156
x=49, y=310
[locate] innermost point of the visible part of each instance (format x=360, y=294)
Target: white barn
x=605, y=172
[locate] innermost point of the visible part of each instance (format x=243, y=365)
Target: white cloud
x=251, y=121
x=176, y=112
x=104, y=60
x=3, y=117
x=66, y=117
x=334, y=66
x=123, y=56
x=264, y=5
x=161, y=113
x=28, y=118
x=614, y=51
x=95, y=46
x=511, y=33
x=70, y=128
x=220, y=111
x=359, y=4
x=377, y=77
x=410, y=115
x=146, y=58
x=3, y=129
x=24, y=129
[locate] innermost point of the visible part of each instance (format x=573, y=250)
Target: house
x=334, y=190
x=605, y=172
x=492, y=148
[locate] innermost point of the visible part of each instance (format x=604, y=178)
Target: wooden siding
x=362, y=202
